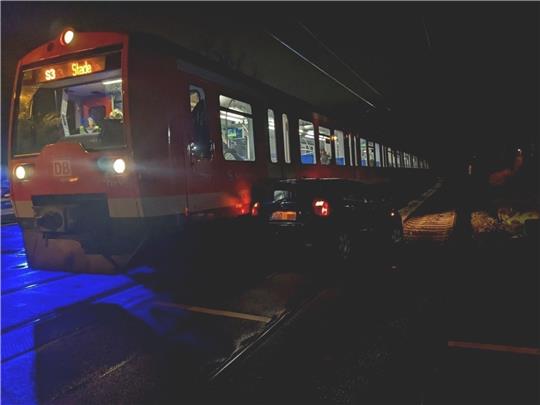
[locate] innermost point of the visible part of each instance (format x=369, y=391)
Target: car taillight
x=321, y=208
x=255, y=209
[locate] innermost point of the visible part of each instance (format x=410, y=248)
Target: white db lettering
x=61, y=168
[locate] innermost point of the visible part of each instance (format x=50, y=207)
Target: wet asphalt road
x=290, y=327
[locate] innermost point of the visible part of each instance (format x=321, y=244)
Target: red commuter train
x=116, y=137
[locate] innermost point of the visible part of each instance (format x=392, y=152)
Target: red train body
x=120, y=137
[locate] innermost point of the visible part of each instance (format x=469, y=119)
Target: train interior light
x=114, y=81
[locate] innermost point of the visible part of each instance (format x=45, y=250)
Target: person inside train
x=325, y=157
x=116, y=114
x=91, y=128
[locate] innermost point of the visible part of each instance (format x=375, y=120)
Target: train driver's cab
x=86, y=109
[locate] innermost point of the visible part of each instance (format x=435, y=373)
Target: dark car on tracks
x=334, y=216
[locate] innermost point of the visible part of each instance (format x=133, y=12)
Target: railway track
x=43, y=309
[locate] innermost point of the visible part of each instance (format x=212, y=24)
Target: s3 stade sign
x=71, y=69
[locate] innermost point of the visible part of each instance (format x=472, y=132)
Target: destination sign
x=71, y=69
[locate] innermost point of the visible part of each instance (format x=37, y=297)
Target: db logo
x=61, y=168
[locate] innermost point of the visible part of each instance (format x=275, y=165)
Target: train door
x=243, y=150
x=200, y=159
x=276, y=144
x=274, y=156
x=287, y=167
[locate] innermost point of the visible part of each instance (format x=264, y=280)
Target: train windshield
x=76, y=101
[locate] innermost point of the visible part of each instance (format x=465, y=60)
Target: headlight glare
x=119, y=166
x=23, y=172
x=20, y=172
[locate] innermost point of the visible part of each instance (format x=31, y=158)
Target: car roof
x=329, y=181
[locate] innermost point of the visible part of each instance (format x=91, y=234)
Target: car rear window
x=280, y=195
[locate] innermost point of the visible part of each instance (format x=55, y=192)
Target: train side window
x=398, y=158
x=389, y=157
x=236, y=120
x=286, y=143
x=340, y=147
x=356, y=160
x=306, y=133
x=371, y=154
x=272, y=136
x=351, y=157
x=325, y=145
x=363, y=152
x=377, y=155
x=407, y=160
x=201, y=144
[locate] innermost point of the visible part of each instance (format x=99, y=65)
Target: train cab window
x=286, y=143
x=363, y=152
x=86, y=109
x=371, y=154
x=325, y=145
x=306, y=133
x=201, y=144
x=340, y=147
x=272, y=136
x=377, y=155
x=236, y=129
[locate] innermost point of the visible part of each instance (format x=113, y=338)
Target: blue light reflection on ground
x=32, y=296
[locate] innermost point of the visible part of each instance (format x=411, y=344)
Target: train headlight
x=119, y=166
x=112, y=165
x=20, y=172
x=67, y=36
x=23, y=172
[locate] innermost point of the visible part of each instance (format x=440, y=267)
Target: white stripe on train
x=150, y=206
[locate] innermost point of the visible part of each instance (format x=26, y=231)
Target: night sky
x=448, y=80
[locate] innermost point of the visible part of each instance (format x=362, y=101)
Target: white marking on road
x=217, y=312
x=119, y=365
x=533, y=351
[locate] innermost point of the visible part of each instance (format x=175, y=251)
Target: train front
x=73, y=183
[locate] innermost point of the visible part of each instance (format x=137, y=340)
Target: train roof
x=221, y=73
